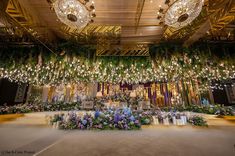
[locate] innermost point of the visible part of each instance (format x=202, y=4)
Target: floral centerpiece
x=104, y=120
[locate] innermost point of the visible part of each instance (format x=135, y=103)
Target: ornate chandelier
x=183, y=12
x=74, y=13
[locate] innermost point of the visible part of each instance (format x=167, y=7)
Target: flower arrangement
x=17, y=109
x=39, y=107
x=104, y=120
x=124, y=119
x=168, y=117
x=146, y=118
x=220, y=110
x=197, y=121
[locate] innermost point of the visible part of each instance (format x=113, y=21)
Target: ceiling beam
x=198, y=33
x=38, y=21
x=139, y=11
x=221, y=13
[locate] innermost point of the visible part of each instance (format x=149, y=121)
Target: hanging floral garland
x=40, y=68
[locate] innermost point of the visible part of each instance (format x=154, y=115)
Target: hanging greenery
x=75, y=64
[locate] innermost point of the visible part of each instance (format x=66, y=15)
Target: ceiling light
x=73, y=13
x=183, y=12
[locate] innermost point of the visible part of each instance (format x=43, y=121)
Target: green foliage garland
x=172, y=64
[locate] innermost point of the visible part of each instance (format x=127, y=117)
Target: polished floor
x=21, y=138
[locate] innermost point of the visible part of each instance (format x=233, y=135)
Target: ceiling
x=109, y=13
x=120, y=22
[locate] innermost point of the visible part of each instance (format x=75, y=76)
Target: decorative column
x=98, y=86
x=67, y=93
x=95, y=89
x=149, y=93
x=45, y=91
x=108, y=88
x=188, y=92
x=185, y=95
x=166, y=95
x=51, y=93
x=92, y=89
x=102, y=88
x=211, y=97
x=162, y=93
x=28, y=93
x=155, y=94
x=72, y=93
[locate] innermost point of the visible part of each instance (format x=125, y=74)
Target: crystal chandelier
x=183, y=12
x=74, y=13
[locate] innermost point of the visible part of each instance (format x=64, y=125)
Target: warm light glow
x=99, y=94
x=133, y=94
x=72, y=13
x=183, y=12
